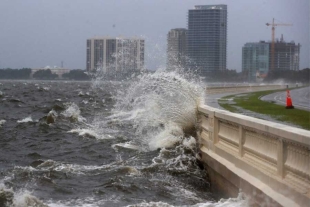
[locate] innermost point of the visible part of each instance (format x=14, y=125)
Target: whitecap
x=2, y=122
x=85, y=102
x=126, y=145
x=73, y=112
x=88, y=133
x=71, y=168
x=25, y=120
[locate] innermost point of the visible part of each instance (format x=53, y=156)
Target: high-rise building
x=176, y=48
x=207, y=38
x=255, y=60
x=286, y=55
x=115, y=55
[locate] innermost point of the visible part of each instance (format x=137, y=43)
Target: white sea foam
x=231, y=202
x=171, y=135
x=24, y=198
x=89, y=133
x=189, y=142
x=110, y=200
x=240, y=201
x=73, y=112
x=85, y=102
x=2, y=122
x=81, y=93
x=20, y=198
x=76, y=169
x=127, y=145
x=151, y=204
x=69, y=168
x=25, y=120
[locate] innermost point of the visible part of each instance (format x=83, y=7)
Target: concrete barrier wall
x=216, y=90
x=269, y=162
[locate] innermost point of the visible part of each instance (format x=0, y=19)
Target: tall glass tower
x=207, y=38
x=255, y=59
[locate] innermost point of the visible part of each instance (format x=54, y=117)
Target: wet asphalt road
x=300, y=98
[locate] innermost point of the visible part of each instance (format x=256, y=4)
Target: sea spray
x=21, y=198
x=73, y=112
x=161, y=106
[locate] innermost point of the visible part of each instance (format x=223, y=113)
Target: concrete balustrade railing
x=270, y=162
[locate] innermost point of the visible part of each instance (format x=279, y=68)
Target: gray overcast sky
x=37, y=33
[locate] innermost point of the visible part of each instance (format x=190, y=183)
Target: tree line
x=290, y=76
x=302, y=76
x=25, y=73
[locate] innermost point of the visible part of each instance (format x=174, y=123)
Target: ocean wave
x=2, y=122
x=90, y=133
x=110, y=200
x=161, y=107
x=73, y=112
x=25, y=120
x=239, y=201
x=51, y=117
x=42, y=166
x=21, y=198
x=126, y=145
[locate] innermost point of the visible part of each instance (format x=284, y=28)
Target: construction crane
x=272, y=40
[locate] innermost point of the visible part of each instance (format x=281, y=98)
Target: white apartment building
x=115, y=55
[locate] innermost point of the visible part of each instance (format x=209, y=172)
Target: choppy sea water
x=102, y=143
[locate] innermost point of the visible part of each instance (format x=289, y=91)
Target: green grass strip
x=251, y=102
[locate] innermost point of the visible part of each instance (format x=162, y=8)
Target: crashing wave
x=161, y=107
x=73, y=112
x=22, y=198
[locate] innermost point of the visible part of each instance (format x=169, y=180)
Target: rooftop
x=208, y=7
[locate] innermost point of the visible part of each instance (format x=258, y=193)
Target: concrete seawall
x=243, y=89
x=267, y=161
